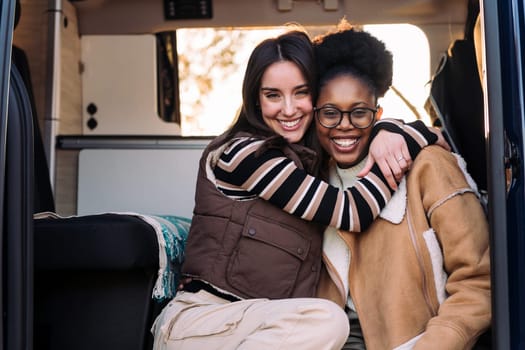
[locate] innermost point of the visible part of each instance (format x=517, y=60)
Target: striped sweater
x=241, y=174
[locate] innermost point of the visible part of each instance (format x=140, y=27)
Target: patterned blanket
x=171, y=232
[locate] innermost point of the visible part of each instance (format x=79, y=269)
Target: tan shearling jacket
x=419, y=277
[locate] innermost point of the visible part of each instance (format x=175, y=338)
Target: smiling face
x=346, y=144
x=285, y=100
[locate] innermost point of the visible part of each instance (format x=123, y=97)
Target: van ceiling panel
x=146, y=16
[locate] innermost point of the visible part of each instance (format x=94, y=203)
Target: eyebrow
x=358, y=104
x=298, y=87
x=269, y=89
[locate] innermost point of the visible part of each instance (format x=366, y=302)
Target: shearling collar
x=394, y=211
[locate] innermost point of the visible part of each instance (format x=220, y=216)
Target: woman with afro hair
x=253, y=254
x=419, y=276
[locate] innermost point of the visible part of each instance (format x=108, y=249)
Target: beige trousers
x=203, y=321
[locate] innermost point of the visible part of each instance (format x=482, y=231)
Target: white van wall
x=120, y=78
x=147, y=181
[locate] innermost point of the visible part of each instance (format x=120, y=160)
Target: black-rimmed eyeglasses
x=330, y=117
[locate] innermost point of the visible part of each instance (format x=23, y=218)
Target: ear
x=379, y=112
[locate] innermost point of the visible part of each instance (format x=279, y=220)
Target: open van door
x=16, y=188
x=5, y=61
x=504, y=29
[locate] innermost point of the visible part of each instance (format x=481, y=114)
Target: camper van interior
x=107, y=106
x=128, y=76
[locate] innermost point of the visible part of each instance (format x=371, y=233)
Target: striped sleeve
x=417, y=135
x=241, y=174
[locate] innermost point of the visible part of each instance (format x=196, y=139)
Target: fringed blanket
x=171, y=232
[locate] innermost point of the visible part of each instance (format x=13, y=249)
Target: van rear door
x=16, y=186
x=504, y=29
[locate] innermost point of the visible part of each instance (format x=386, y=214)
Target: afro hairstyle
x=351, y=50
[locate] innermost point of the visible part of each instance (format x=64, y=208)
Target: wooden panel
x=66, y=180
x=31, y=35
x=70, y=114
x=70, y=90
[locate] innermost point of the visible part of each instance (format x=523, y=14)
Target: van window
x=410, y=48
x=211, y=65
x=211, y=68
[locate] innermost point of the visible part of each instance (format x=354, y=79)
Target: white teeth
x=345, y=142
x=290, y=124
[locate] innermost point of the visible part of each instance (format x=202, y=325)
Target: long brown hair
x=294, y=46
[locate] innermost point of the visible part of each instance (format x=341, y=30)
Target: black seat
x=94, y=277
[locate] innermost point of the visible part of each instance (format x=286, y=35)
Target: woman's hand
x=389, y=150
x=184, y=281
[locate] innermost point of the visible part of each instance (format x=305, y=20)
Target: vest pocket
x=267, y=259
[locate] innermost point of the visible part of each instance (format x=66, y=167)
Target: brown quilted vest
x=252, y=248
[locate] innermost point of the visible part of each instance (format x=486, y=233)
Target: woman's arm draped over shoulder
x=389, y=148
x=416, y=134
x=241, y=174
